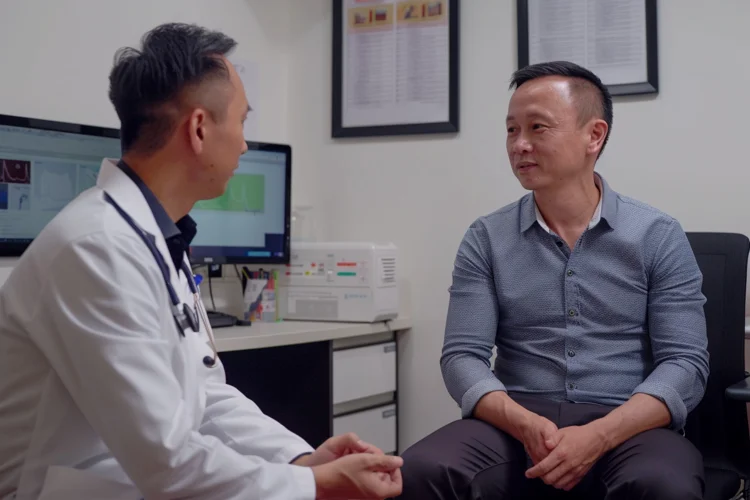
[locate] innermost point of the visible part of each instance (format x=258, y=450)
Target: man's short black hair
x=593, y=97
x=144, y=83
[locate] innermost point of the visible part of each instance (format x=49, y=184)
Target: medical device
x=340, y=281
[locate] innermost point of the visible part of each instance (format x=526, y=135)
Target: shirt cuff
x=477, y=392
x=305, y=454
x=304, y=478
x=669, y=397
x=290, y=453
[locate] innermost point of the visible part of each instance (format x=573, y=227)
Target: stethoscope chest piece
x=191, y=316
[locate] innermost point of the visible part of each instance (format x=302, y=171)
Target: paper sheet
x=395, y=62
x=606, y=36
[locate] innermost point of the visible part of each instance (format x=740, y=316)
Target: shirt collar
x=605, y=209
x=185, y=226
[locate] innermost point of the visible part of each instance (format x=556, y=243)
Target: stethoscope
x=183, y=315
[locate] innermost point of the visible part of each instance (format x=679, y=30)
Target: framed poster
x=395, y=67
x=616, y=39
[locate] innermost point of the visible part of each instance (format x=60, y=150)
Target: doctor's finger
x=348, y=441
x=396, y=476
x=371, y=448
x=386, y=488
x=382, y=463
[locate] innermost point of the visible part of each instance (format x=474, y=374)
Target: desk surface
x=261, y=335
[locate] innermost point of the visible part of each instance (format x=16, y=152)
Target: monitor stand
x=221, y=320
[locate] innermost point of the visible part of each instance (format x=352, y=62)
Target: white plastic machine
x=339, y=281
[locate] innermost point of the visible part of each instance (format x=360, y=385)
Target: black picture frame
x=338, y=130
x=650, y=86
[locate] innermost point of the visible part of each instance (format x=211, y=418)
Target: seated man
x=594, y=303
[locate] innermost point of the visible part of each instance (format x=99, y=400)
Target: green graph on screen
x=245, y=193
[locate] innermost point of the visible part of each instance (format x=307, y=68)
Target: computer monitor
x=45, y=164
x=250, y=222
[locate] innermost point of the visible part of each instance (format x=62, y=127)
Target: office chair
x=718, y=427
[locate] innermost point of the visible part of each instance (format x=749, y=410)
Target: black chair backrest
x=718, y=426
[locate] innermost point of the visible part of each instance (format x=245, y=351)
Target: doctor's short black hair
x=592, y=96
x=145, y=85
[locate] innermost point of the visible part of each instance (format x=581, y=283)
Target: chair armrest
x=739, y=391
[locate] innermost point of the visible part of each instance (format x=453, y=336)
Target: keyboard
x=221, y=320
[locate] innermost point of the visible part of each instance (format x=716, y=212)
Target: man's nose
x=521, y=145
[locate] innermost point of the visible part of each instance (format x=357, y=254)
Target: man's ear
x=597, y=134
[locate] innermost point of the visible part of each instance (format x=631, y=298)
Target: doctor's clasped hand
x=347, y=467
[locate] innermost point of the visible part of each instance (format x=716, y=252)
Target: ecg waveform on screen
x=15, y=171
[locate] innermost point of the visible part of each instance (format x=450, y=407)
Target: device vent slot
x=388, y=270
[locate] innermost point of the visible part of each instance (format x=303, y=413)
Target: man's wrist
x=607, y=430
x=498, y=409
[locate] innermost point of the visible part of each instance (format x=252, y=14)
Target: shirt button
x=559, y=243
x=571, y=386
x=572, y=312
x=570, y=272
x=571, y=353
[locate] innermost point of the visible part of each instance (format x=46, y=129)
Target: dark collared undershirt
x=178, y=235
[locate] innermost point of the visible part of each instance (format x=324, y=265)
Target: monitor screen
x=45, y=164
x=249, y=223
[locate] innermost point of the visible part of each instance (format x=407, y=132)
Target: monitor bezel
x=16, y=249
x=285, y=259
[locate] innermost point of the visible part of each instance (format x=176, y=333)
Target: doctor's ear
x=197, y=129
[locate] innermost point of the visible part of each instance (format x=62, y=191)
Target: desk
x=319, y=378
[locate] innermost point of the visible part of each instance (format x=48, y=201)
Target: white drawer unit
x=361, y=372
x=376, y=426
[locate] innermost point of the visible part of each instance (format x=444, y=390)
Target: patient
x=594, y=303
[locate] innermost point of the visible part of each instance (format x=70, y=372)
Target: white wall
x=59, y=53
x=683, y=151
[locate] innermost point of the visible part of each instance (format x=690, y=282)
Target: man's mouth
x=525, y=166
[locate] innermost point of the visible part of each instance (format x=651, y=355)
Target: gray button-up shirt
x=622, y=313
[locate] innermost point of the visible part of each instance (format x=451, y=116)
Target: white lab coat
x=100, y=396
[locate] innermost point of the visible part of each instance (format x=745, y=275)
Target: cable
x=211, y=291
x=239, y=277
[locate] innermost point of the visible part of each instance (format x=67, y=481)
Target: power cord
x=211, y=291
x=239, y=277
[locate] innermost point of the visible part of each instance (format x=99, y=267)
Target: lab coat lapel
x=130, y=198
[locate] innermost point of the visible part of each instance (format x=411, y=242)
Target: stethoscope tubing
x=184, y=318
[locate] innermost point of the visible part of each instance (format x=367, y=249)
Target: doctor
x=110, y=387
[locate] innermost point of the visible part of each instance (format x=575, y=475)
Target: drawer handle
x=390, y=348
x=389, y=413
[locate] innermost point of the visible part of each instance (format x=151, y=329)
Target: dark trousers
x=472, y=460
